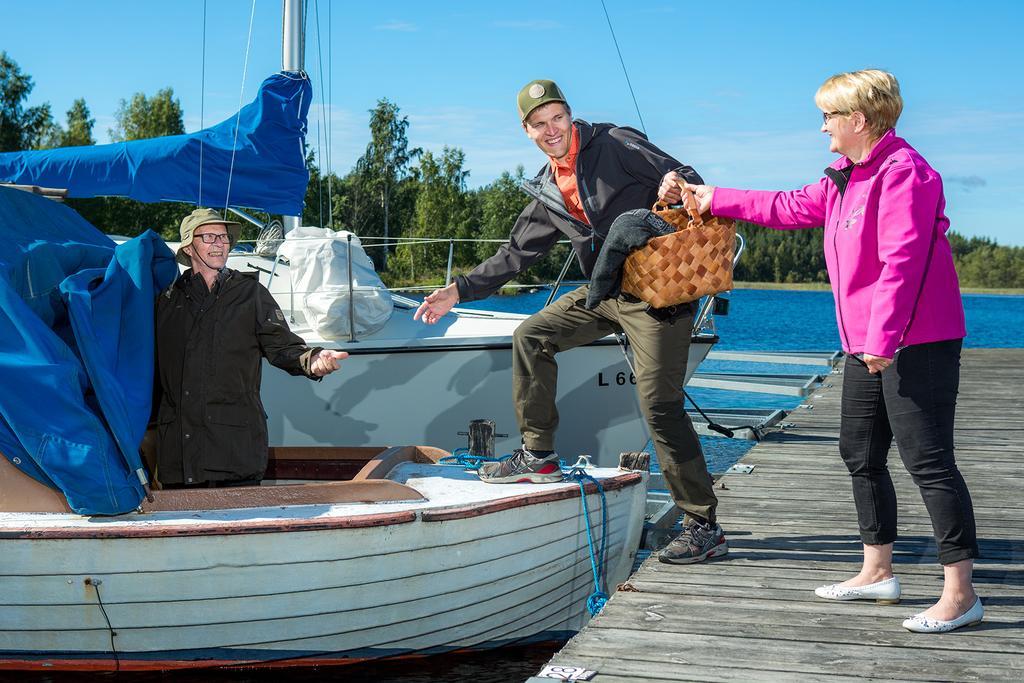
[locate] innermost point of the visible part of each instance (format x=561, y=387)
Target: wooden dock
x=791, y=525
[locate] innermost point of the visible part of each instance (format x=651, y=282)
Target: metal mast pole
x=293, y=52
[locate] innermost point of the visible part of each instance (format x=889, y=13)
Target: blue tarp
x=76, y=350
x=269, y=159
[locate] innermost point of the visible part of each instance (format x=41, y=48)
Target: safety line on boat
x=95, y=583
x=596, y=601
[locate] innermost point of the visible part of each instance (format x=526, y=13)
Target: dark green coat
x=210, y=347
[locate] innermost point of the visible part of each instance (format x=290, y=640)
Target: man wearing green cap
x=595, y=172
x=214, y=327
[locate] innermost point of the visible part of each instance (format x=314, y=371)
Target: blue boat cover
x=76, y=350
x=269, y=159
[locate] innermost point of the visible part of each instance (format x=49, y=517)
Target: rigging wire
x=323, y=113
x=328, y=138
x=624, y=71
x=202, y=109
x=238, y=116
x=320, y=180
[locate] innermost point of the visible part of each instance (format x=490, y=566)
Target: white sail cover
x=318, y=265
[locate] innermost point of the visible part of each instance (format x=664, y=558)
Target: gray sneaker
x=697, y=542
x=521, y=466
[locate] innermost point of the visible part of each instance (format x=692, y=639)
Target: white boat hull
x=310, y=584
x=416, y=383
x=429, y=395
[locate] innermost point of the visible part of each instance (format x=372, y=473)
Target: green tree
x=79, y=130
x=379, y=175
x=79, y=126
x=986, y=264
x=780, y=255
x=141, y=118
x=148, y=117
x=443, y=209
x=21, y=128
x=500, y=205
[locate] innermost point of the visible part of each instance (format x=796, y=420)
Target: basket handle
x=689, y=202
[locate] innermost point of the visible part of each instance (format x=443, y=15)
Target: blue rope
x=461, y=457
x=598, y=598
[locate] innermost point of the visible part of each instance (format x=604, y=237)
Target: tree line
x=396, y=191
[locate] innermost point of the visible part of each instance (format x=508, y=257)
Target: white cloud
x=348, y=134
x=402, y=26
x=755, y=159
x=531, y=25
x=490, y=143
x=965, y=122
x=967, y=182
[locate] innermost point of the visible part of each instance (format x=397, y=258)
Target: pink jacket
x=888, y=258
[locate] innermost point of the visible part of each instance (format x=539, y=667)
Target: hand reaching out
x=703, y=194
x=669, y=191
x=326, y=362
x=437, y=304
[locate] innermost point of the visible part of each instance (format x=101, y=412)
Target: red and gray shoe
x=697, y=543
x=522, y=466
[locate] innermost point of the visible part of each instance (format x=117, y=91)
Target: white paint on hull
x=462, y=582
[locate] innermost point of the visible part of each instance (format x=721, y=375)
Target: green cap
x=537, y=93
x=202, y=217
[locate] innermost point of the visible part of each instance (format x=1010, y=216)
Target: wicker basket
x=685, y=265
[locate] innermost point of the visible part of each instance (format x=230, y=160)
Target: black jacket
x=210, y=349
x=617, y=169
x=629, y=232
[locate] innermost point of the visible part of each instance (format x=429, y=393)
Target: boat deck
x=436, y=489
x=791, y=526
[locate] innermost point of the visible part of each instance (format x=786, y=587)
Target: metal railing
x=703, y=320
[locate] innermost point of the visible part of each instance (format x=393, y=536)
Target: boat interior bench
x=313, y=475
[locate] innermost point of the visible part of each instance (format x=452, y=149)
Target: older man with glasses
x=214, y=327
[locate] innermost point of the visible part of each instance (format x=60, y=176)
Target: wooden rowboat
x=344, y=555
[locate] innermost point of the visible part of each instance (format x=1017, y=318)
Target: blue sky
x=727, y=88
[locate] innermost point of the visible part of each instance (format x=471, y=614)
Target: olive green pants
x=660, y=352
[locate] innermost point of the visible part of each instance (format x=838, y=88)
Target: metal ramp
x=789, y=385
x=746, y=423
x=829, y=358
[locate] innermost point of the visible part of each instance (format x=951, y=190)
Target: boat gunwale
x=264, y=526
x=615, y=483
x=452, y=344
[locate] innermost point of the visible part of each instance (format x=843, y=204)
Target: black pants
x=914, y=400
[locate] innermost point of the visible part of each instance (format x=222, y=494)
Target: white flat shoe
x=885, y=592
x=922, y=624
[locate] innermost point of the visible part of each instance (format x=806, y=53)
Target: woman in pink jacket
x=901, y=321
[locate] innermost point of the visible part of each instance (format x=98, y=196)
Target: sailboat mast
x=293, y=52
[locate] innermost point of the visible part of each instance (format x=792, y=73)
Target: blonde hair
x=874, y=93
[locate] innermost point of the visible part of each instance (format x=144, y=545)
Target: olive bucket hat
x=199, y=217
x=537, y=93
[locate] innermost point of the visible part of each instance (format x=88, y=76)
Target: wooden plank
x=675, y=614
x=792, y=526
x=868, y=660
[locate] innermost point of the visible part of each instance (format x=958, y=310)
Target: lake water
x=757, y=320
x=790, y=320
x=768, y=319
